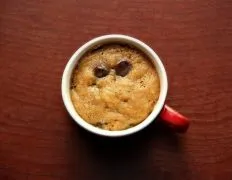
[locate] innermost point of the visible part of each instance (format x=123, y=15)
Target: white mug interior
x=113, y=38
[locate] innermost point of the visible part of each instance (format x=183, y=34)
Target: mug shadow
x=154, y=152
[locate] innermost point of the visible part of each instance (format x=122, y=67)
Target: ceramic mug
x=172, y=118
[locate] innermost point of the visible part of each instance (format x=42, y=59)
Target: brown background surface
x=38, y=140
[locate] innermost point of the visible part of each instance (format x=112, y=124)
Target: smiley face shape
x=114, y=87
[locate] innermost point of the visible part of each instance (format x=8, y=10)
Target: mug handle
x=175, y=120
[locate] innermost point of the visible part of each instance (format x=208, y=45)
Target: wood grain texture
x=38, y=140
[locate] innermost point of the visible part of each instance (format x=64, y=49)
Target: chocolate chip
x=132, y=125
x=98, y=124
x=123, y=68
x=101, y=71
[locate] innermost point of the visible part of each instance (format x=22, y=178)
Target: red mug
x=172, y=118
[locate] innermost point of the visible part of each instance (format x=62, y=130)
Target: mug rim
x=113, y=38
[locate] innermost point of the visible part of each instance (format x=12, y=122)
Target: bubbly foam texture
x=114, y=102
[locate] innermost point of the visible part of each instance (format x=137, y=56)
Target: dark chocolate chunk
x=123, y=68
x=98, y=124
x=101, y=71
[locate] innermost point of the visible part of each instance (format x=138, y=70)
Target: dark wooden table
x=38, y=139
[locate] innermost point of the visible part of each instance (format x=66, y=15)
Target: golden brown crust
x=114, y=102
